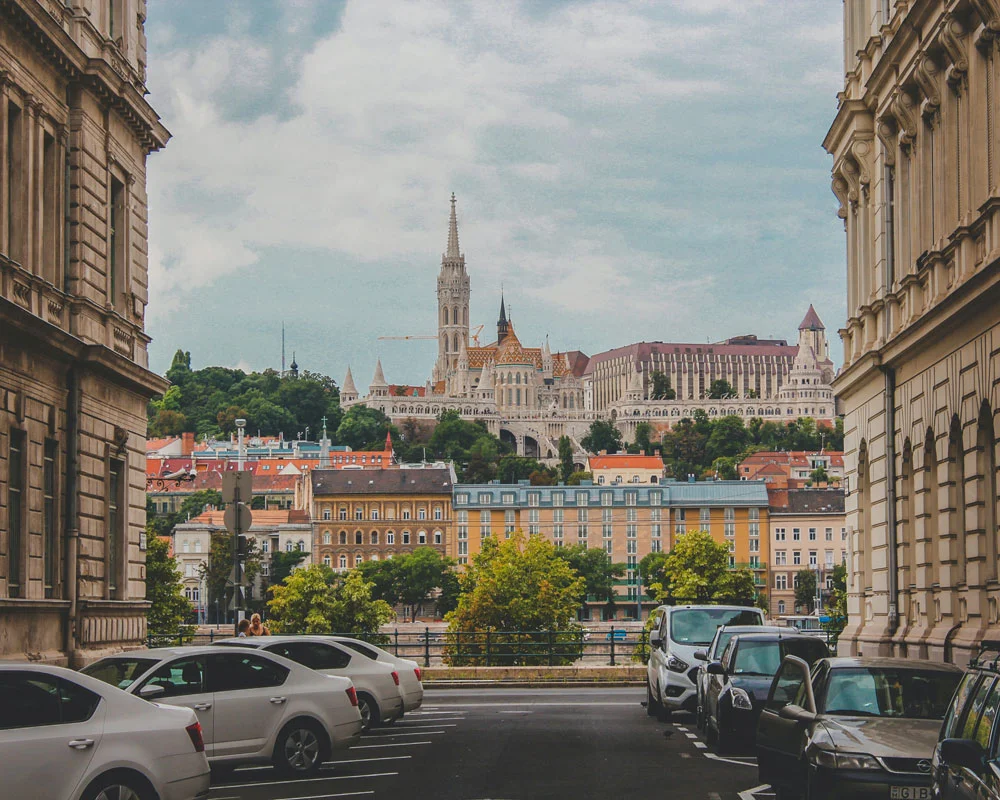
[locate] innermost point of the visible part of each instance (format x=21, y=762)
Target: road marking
x=516, y=712
x=750, y=794
x=529, y=703
x=396, y=744
x=420, y=727
x=691, y=735
x=434, y=721
x=391, y=735
x=325, y=764
x=324, y=796
x=701, y=745
x=308, y=780
x=714, y=757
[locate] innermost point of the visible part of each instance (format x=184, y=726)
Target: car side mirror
x=701, y=655
x=654, y=638
x=715, y=668
x=963, y=753
x=151, y=690
x=796, y=713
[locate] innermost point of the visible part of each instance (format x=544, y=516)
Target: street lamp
x=240, y=425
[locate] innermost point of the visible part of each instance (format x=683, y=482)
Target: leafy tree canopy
x=315, y=599
x=565, y=458
x=410, y=578
x=283, y=564
x=697, y=570
x=168, y=607
x=661, y=389
x=720, y=389
x=603, y=435
x=805, y=589
x=594, y=565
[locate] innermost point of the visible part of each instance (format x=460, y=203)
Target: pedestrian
x=243, y=627
x=257, y=628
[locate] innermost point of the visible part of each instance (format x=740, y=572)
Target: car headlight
x=831, y=760
x=674, y=664
x=741, y=699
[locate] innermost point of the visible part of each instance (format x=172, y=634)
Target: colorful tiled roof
x=626, y=461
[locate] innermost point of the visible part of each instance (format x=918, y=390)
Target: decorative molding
x=861, y=152
x=22, y=293
x=925, y=74
x=989, y=12
x=885, y=129
x=951, y=39
x=902, y=109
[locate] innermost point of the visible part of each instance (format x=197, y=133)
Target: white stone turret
x=378, y=387
x=348, y=392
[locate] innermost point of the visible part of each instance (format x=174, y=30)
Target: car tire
x=300, y=748
x=652, y=704
x=120, y=785
x=371, y=716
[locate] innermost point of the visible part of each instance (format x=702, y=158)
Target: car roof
x=840, y=662
x=752, y=629
x=704, y=607
x=777, y=636
x=163, y=653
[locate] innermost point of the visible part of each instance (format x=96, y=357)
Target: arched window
x=358, y=559
x=444, y=315
x=987, y=472
x=327, y=560
x=956, y=496
x=373, y=539
x=906, y=546
x=358, y=537
x=302, y=545
x=326, y=513
x=288, y=547
x=444, y=341
x=422, y=537
x=438, y=537
x=454, y=315
x=342, y=561
x=455, y=340
x=343, y=537
x=326, y=537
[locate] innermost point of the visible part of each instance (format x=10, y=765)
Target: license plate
x=909, y=793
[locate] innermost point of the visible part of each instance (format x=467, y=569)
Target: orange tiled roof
x=625, y=461
x=152, y=445
x=261, y=518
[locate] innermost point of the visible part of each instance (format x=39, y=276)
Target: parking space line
x=308, y=780
x=421, y=727
x=691, y=735
x=390, y=744
x=325, y=796
x=738, y=763
x=411, y=722
x=363, y=760
x=751, y=794
x=393, y=735
x=701, y=745
x=530, y=703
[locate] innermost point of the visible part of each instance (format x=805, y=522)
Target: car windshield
x=120, y=672
x=757, y=658
x=360, y=648
x=875, y=692
x=697, y=626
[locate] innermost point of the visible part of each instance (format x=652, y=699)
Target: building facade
x=792, y=468
x=368, y=515
x=807, y=531
x=75, y=132
x=609, y=468
x=915, y=145
x=627, y=520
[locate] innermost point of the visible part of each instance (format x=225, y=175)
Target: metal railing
x=597, y=645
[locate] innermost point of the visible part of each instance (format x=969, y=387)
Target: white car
x=672, y=669
x=410, y=675
x=67, y=736
x=253, y=707
x=377, y=684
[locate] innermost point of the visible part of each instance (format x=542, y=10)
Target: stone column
x=62, y=191
x=4, y=166
x=32, y=221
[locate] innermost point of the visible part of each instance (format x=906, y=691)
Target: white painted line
x=429, y=721
x=393, y=735
x=681, y=728
x=714, y=757
x=700, y=745
x=419, y=727
x=691, y=735
x=308, y=780
x=325, y=796
x=748, y=794
x=325, y=764
x=529, y=703
x=396, y=744
x=517, y=712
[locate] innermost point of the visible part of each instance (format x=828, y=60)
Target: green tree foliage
x=283, y=564
x=661, y=387
x=216, y=570
x=163, y=524
x=720, y=389
x=164, y=589
x=208, y=401
x=594, y=565
x=643, y=438
x=684, y=450
x=578, y=476
x=315, y=599
x=363, y=428
x=805, y=589
x=565, y=458
x=819, y=475
x=697, y=570
x=516, y=584
x=603, y=435
x=481, y=466
x=837, y=603
x=412, y=578
x=512, y=469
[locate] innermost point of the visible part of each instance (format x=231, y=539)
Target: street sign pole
x=237, y=487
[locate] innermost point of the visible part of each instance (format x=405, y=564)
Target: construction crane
x=473, y=334
x=381, y=338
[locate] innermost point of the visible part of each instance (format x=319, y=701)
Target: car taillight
x=352, y=696
x=194, y=733
x=395, y=677
x=416, y=671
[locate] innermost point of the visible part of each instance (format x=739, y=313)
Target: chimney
x=603, y=453
x=187, y=443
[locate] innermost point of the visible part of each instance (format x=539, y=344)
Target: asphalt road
x=519, y=744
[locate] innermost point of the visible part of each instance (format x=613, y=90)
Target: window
x=16, y=187
x=779, y=534
x=50, y=529
x=607, y=531
x=828, y=534
x=31, y=699
x=438, y=537
x=485, y=498
x=704, y=515
x=729, y=515
x=631, y=546
x=812, y=558
x=781, y=606
x=358, y=537
x=507, y=498
x=358, y=559
x=796, y=534
x=289, y=547
x=197, y=545
x=342, y=562
x=655, y=531
x=630, y=515
x=406, y=537
x=422, y=537
x=582, y=498
x=654, y=498
x=327, y=538
x=656, y=546
x=374, y=514
x=343, y=537
x=421, y=513
x=438, y=513
x=406, y=513
x=754, y=513
x=390, y=537
x=755, y=545
x=582, y=531
x=796, y=557
x=779, y=558
x=533, y=499
x=729, y=529
x=606, y=498
x=373, y=537
x=631, y=531
x=327, y=561
x=655, y=514
x=359, y=512
x=15, y=511
x=230, y=672
x=116, y=529
x=178, y=678
x=326, y=512
x=116, y=244
x=533, y=515
x=557, y=499
x=342, y=513
x=313, y=654
x=461, y=499
x=812, y=534
x=630, y=498
x=781, y=581
x=186, y=546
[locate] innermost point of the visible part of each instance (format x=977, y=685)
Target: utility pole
x=237, y=491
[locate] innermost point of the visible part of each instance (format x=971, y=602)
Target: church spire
x=502, y=326
x=453, y=251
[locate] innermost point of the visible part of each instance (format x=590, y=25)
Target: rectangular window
x=557, y=532
x=729, y=529
x=557, y=499
x=534, y=530
x=484, y=498
x=704, y=515
x=630, y=498
x=116, y=529
x=463, y=532
x=656, y=546
x=16, y=185
x=463, y=517
x=607, y=514
x=729, y=514
x=680, y=514
x=655, y=514
x=533, y=499
x=630, y=515
x=754, y=562
x=608, y=546
x=779, y=534
x=828, y=534
x=583, y=515
x=49, y=514
x=796, y=534
x=812, y=534
x=631, y=531
x=631, y=546
x=779, y=558
x=582, y=498
x=781, y=581
x=754, y=529
x=582, y=532
x=812, y=558
x=508, y=498
x=754, y=513
x=796, y=557
x=755, y=545
x=406, y=537
x=557, y=515
x=16, y=482
x=390, y=537
x=654, y=498
x=606, y=498
x=607, y=531
x=461, y=499
x=654, y=531
x=463, y=548
x=533, y=515
x=116, y=244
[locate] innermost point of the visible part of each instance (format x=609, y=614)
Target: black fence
x=612, y=646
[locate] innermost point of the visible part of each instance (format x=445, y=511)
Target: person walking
x=257, y=628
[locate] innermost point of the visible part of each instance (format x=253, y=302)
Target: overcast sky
x=627, y=170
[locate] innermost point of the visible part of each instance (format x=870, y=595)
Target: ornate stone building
x=75, y=131
x=915, y=145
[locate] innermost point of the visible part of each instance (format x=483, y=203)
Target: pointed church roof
x=349, y=387
x=379, y=379
x=388, y=441
x=546, y=353
x=452, y=251
x=503, y=310
x=812, y=322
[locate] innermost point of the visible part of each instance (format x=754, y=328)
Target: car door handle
x=202, y=706
x=278, y=700
x=80, y=744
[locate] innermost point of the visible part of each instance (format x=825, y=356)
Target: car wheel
x=120, y=786
x=300, y=748
x=370, y=715
x=652, y=704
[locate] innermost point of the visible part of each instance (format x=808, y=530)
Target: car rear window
x=120, y=672
x=697, y=626
x=954, y=718
x=360, y=648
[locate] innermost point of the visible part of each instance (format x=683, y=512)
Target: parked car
x=411, y=685
x=854, y=727
x=738, y=682
x=253, y=707
x=714, y=653
x=965, y=763
x=67, y=736
x=679, y=632
x=377, y=684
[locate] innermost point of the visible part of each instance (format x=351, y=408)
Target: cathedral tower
x=453, y=302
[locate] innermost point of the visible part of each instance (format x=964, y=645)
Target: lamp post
x=240, y=425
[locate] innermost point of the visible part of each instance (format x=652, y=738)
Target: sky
x=626, y=171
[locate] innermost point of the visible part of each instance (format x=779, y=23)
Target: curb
x=542, y=684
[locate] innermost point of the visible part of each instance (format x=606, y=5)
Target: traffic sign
x=238, y=600
x=234, y=483
x=237, y=514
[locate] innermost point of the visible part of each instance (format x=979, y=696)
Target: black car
x=739, y=682
x=966, y=761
